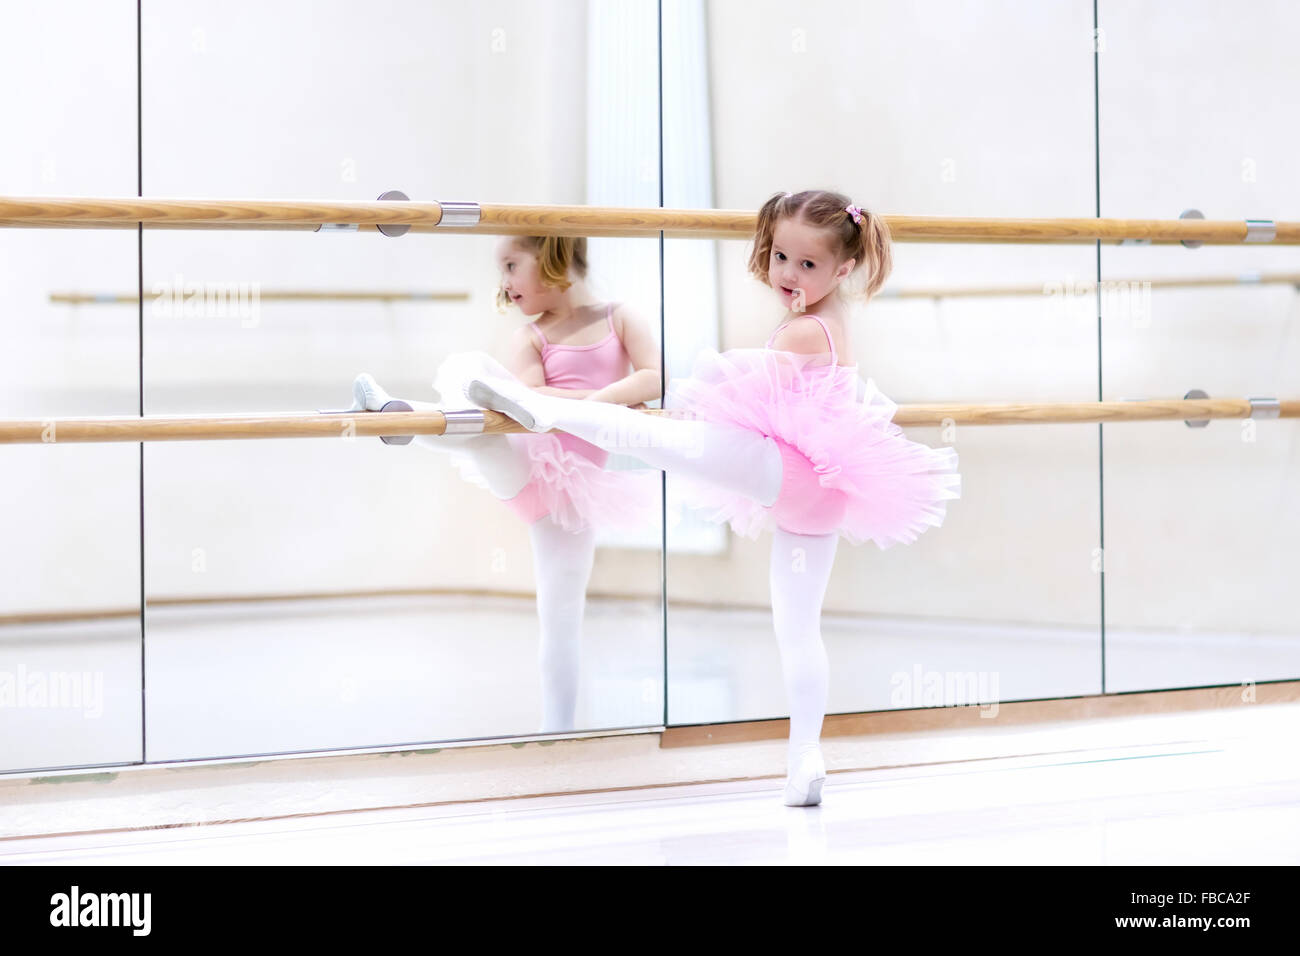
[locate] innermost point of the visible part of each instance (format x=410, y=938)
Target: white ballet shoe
x=803, y=784
x=513, y=398
x=367, y=396
x=458, y=369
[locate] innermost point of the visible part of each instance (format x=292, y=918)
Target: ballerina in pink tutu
x=782, y=438
x=579, y=349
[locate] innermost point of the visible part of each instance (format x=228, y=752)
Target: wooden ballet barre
x=218, y=427
x=287, y=295
x=374, y=424
x=1062, y=413
x=395, y=217
x=1090, y=285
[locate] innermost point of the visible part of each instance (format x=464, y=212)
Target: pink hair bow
x=855, y=212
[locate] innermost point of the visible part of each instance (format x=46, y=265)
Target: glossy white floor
x=291, y=676
x=1227, y=802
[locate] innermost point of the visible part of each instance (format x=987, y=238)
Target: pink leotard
x=804, y=506
x=575, y=366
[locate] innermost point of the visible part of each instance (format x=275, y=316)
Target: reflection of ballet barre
x=396, y=217
x=131, y=298
x=352, y=424
x=1088, y=286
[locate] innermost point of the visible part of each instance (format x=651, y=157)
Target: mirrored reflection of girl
x=577, y=348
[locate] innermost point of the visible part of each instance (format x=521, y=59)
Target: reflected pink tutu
x=847, y=467
x=568, y=480
x=567, y=476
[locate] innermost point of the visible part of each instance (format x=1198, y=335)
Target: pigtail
x=762, y=251
x=877, y=248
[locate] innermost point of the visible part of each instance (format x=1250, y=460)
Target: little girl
x=783, y=437
x=577, y=348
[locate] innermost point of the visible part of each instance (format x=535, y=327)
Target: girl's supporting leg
x=799, y=572
x=562, y=561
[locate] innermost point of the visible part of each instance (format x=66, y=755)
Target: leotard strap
x=609, y=317
x=834, y=359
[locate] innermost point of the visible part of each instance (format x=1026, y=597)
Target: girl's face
x=801, y=268
x=522, y=281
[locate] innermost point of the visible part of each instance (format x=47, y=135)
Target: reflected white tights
x=562, y=563
x=732, y=458
x=505, y=467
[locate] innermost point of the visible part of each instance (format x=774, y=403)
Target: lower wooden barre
x=1063, y=413
x=216, y=428
x=374, y=424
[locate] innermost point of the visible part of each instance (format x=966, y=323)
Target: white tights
x=562, y=562
x=733, y=458
x=799, y=571
x=505, y=466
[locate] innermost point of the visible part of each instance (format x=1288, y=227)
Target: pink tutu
x=847, y=467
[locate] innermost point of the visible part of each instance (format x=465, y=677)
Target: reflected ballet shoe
x=368, y=396
x=512, y=398
x=803, y=784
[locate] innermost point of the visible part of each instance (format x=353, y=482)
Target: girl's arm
x=642, y=385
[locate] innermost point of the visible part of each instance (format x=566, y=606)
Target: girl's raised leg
x=732, y=458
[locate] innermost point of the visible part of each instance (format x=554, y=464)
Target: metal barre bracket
x=1260, y=230
x=1192, y=243
x=1197, y=423
x=1265, y=407
x=392, y=230
x=460, y=214
x=470, y=421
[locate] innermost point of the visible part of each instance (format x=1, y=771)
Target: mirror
x=1201, y=529
x=70, y=637
x=323, y=594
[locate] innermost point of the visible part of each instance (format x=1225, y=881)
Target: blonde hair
x=556, y=255
x=867, y=242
